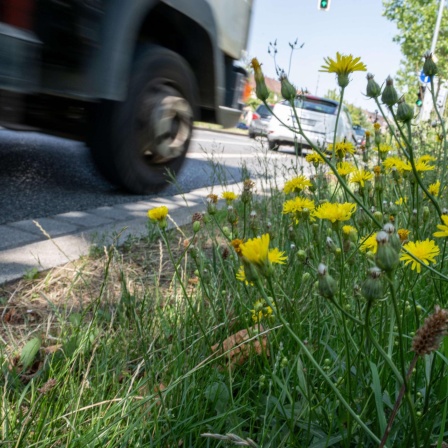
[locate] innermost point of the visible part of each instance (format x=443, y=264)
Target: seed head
x=430, y=334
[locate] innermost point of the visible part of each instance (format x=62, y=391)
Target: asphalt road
x=42, y=176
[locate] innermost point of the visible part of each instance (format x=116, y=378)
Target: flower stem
x=317, y=366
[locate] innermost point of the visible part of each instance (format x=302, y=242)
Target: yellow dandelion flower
x=369, y=243
x=297, y=205
x=277, y=257
x=342, y=149
x=297, y=184
x=345, y=168
x=347, y=230
x=229, y=196
x=335, y=211
x=360, y=177
x=343, y=66
x=443, y=228
x=401, y=201
x=377, y=170
x=315, y=158
x=385, y=148
x=427, y=158
x=424, y=251
x=256, y=250
x=434, y=188
x=421, y=164
x=236, y=244
x=394, y=162
x=376, y=126
x=403, y=234
x=368, y=134
x=158, y=213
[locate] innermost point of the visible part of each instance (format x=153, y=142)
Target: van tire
x=273, y=146
x=136, y=142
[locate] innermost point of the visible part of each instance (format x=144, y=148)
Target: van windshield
x=315, y=105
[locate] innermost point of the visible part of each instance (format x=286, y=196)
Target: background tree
x=415, y=21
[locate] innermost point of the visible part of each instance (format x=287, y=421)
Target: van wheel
x=137, y=142
x=273, y=146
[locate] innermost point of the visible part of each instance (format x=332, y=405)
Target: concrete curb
x=222, y=131
x=39, y=245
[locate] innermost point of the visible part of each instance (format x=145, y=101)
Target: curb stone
x=25, y=246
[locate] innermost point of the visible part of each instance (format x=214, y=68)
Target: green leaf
x=29, y=352
x=376, y=387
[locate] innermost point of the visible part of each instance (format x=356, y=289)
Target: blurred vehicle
x=360, y=134
x=318, y=119
x=128, y=77
x=260, y=121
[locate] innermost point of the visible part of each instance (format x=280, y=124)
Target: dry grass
x=33, y=307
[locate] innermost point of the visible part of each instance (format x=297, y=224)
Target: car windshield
x=316, y=105
x=360, y=131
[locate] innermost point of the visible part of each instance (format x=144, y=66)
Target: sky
x=354, y=27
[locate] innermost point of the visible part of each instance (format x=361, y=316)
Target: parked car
x=318, y=119
x=360, y=134
x=260, y=121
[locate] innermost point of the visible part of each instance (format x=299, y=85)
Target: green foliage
x=415, y=21
x=188, y=353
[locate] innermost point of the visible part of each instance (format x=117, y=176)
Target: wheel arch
x=149, y=21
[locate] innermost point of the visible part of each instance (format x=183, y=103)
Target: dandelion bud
x=330, y=244
x=196, y=226
x=390, y=95
x=261, y=90
x=373, y=89
x=226, y=232
x=378, y=216
x=306, y=276
x=429, y=67
x=326, y=283
x=365, y=156
x=232, y=215
x=301, y=255
x=288, y=91
x=405, y=112
x=425, y=213
x=377, y=139
x=372, y=288
x=386, y=256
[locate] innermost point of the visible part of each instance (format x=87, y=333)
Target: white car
x=317, y=117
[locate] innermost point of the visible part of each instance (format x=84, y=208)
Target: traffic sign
x=424, y=78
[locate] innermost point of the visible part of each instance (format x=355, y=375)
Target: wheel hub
x=169, y=126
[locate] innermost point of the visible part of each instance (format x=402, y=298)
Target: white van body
x=317, y=117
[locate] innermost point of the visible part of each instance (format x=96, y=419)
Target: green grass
x=154, y=344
